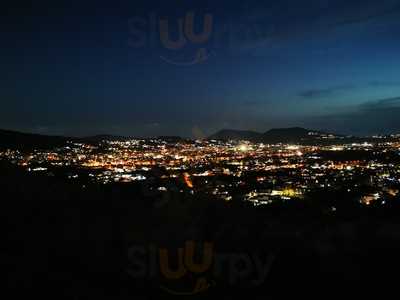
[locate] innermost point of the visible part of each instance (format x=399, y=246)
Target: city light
x=273, y=172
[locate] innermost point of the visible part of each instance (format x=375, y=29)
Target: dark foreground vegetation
x=72, y=241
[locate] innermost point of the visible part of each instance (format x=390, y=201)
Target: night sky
x=84, y=68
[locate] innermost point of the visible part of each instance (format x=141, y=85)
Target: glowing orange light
x=188, y=181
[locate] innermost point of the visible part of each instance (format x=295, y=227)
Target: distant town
x=255, y=173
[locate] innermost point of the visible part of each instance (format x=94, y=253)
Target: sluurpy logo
x=197, y=269
x=173, y=36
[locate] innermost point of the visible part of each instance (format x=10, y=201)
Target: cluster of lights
x=280, y=171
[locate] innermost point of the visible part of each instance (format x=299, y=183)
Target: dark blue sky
x=101, y=67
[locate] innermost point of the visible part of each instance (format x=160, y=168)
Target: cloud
x=253, y=103
x=364, y=18
x=384, y=83
x=286, y=22
x=381, y=104
x=380, y=116
x=323, y=93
